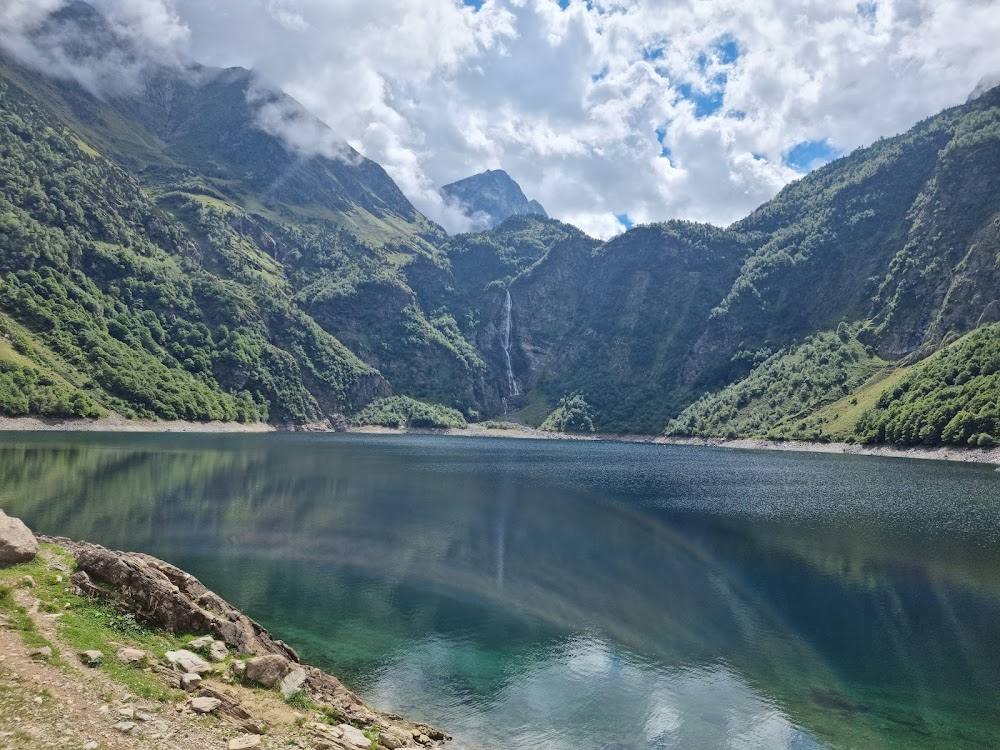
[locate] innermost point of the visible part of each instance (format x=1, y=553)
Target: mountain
x=191, y=243
x=491, y=197
x=311, y=223
x=898, y=242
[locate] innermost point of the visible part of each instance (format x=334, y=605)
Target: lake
x=570, y=595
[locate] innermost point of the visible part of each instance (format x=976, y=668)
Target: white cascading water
x=505, y=342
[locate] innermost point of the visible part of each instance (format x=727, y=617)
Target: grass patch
x=95, y=624
x=836, y=421
x=86, y=624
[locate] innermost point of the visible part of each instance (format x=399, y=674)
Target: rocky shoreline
x=213, y=666
x=119, y=424
x=939, y=453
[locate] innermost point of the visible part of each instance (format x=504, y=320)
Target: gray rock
x=392, y=740
x=160, y=594
x=490, y=197
x=353, y=737
x=190, y=682
x=188, y=661
x=200, y=644
x=203, y=705
x=125, y=726
x=244, y=742
x=266, y=671
x=292, y=682
x=17, y=543
x=91, y=658
x=131, y=656
x=218, y=651
x=42, y=653
x=92, y=745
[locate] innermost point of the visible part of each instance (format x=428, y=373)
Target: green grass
x=536, y=408
x=780, y=394
x=20, y=621
x=836, y=421
x=86, y=624
x=494, y=424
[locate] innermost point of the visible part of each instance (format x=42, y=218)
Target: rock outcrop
x=163, y=596
x=17, y=543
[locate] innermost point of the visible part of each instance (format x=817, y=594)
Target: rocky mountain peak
x=490, y=197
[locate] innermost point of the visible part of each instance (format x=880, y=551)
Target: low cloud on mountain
x=610, y=113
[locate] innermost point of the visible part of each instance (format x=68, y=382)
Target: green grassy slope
x=782, y=389
x=120, y=292
x=952, y=398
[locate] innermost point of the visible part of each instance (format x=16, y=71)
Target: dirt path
x=68, y=705
x=51, y=698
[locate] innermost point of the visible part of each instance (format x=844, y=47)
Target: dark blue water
x=525, y=594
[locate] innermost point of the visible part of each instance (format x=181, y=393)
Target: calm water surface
x=527, y=594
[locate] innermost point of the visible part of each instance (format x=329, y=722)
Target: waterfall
x=505, y=342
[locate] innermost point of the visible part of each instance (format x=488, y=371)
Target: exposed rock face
x=162, y=595
x=292, y=682
x=17, y=543
x=491, y=197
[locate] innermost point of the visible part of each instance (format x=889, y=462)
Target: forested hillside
x=165, y=252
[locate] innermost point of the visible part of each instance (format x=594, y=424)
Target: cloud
x=108, y=52
x=694, y=109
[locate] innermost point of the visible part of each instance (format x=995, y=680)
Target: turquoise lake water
x=566, y=595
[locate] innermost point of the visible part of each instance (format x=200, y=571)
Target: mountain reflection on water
x=576, y=595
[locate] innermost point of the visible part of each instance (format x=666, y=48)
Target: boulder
x=164, y=596
x=188, y=661
x=41, y=653
x=292, y=682
x=266, y=671
x=131, y=656
x=218, y=651
x=17, y=543
x=91, y=658
x=204, y=705
x=125, y=726
x=244, y=742
x=190, y=682
x=392, y=740
x=353, y=737
x=200, y=644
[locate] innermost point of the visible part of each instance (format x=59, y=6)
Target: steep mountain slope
x=941, y=281
x=117, y=297
x=219, y=146
x=614, y=322
x=491, y=197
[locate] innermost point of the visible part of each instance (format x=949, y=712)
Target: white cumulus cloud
x=694, y=109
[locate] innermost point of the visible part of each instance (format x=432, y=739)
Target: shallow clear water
x=524, y=594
